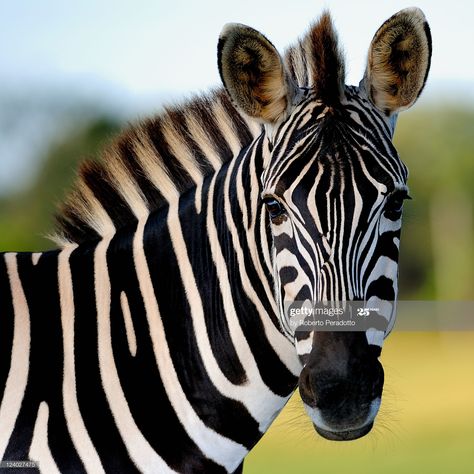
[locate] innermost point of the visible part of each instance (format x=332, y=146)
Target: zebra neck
x=173, y=319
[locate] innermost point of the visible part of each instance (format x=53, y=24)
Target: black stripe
x=382, y=288
x=199, y=251
x=153, y=196
x=74, y=228
x=181, y=178
x=202, y=112
x=100, y=184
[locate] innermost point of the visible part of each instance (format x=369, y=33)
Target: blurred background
x=71, y=75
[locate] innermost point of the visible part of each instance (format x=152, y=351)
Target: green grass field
x=426, y=423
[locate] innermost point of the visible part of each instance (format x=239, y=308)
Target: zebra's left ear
x=398, y=61
x=253, y=73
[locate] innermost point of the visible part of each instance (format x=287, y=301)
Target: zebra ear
x=398, y=61
x=253, y=73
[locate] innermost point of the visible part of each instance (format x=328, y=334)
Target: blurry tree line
x=436, y=142
x=437, y=244
x=27, y=217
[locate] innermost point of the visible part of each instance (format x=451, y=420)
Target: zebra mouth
x=347, y=435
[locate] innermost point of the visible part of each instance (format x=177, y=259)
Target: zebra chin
x=339, y=432
x=348, y=435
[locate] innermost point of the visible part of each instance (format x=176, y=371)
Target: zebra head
x=333, y=187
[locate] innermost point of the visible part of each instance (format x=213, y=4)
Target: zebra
x=154, y=339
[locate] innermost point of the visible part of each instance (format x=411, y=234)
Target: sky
x=147, y=47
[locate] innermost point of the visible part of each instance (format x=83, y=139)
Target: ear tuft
x=253, y=73
x=398, y=61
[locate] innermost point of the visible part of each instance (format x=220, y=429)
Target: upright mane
x=156, y=160
x=316, y=60
x=151, y=163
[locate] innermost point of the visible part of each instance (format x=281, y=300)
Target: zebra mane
x=153, y=162
x=150, y=164
x=316, y=61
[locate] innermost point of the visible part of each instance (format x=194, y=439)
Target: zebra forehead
x=335, y=141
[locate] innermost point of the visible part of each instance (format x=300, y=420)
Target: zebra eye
x=394, y=204
x=274, y=207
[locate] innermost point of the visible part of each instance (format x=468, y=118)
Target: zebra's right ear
x=253, y=73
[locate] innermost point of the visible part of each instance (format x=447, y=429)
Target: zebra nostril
x=318, y=390
x=306, y=388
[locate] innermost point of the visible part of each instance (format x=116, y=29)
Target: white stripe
x=385, y=267
x=127, y=317
x=387, y=225
x=356, y=214
x=304, y=346
x=340, y=240
x=35, y=257
x=198, y=198
x=18, y=374
x=129, y=190
x=140, y=451
x=39, y=449
x=92, y=212
x=221, y=450
x=77, y=429
x=226, y=127
x=203, y=141
x=154, y=168
x=265, y=249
